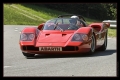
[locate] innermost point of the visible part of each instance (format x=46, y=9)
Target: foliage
x=100, y=11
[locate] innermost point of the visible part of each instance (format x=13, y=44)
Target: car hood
x=55, y=36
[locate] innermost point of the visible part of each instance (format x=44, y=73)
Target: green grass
x=12, y=16
x=112, y=32
x=26, y=14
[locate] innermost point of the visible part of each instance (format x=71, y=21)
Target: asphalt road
x=100, y=64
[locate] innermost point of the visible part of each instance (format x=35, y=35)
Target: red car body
x=62, y=39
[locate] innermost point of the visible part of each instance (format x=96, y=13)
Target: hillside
x=27, y=14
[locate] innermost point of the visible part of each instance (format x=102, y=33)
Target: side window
x=66, y=21
x=59, y=21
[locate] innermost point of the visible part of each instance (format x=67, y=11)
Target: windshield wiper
x=56, y=25
x=60, y=29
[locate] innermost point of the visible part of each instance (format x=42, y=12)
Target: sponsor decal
x=50, y=48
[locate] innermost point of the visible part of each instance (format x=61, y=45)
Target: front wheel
x=92, y=45
x=28, y=54
x=104, y=46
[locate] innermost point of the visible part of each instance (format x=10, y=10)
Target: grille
x=70, y=48
x=31, y=48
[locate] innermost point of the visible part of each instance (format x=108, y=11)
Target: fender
x=29, y=30
x=85, y=30
x=97, y=26
x=106, y=25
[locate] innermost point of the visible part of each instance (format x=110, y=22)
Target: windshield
x=61, y=24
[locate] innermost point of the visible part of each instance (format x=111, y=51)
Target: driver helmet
x=78, y=23
x=74, y=17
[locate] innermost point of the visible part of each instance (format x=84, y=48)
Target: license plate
x=50, y=48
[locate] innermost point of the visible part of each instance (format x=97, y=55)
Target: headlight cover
x=79, y=37
x=27, y=36
x=37, y=32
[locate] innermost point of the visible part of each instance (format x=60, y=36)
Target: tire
x=92, y=45
x=28, y=54
x=104, y=46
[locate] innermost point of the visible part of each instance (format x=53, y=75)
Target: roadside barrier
x=112, y=23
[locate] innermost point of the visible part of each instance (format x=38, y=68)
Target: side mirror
x=40, y=26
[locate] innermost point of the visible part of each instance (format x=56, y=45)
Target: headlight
x=80, y=37
x=27, y=36
x=23, y=37
x=31, y=36
x=77, y=37
x=37, y=32
x=84, y=37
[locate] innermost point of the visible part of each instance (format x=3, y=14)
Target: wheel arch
x=95, y=39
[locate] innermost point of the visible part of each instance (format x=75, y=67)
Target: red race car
x=65, y=34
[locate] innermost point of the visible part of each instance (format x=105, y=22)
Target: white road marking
x=15, y=30
x=6, y=66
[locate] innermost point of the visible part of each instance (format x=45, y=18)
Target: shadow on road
x=97, y=53
x=104, y=53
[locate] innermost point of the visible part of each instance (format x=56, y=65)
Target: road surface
x=100, y=64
